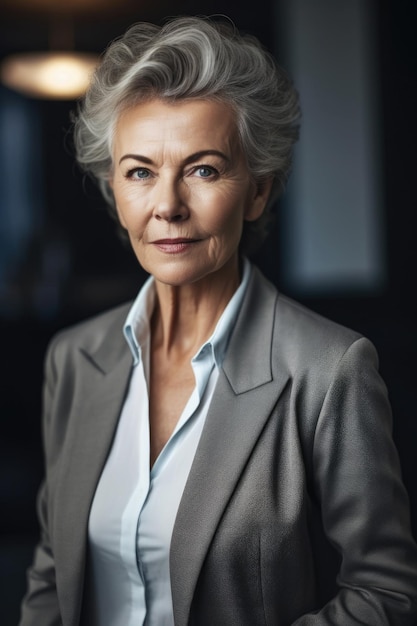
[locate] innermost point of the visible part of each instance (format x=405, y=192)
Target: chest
x=170, y=387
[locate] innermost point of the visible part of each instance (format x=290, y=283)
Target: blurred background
x=344, y=242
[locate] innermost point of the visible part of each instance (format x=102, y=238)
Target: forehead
x=185, y=125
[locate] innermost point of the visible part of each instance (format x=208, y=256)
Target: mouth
x=174, y=246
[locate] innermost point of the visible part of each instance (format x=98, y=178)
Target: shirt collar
x=137, y=326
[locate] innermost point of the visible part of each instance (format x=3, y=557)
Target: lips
x=174, y=246
x=175, y=240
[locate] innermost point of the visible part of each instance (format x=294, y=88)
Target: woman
x=231, y=455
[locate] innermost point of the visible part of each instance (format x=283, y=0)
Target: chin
x=181, y=270
x=178, y=279
x=172, y=272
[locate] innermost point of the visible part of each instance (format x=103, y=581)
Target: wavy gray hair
x=193, y=57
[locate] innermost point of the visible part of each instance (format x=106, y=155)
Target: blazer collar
x=243, y=401
x=109, y=346
x=247, y=363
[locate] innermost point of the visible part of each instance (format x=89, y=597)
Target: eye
x=205, y=171
x=138, y=173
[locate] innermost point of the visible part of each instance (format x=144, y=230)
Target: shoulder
x=313, y=345
x=305, y=340
x=296, y=321
x=293, y=319
x=90, y=334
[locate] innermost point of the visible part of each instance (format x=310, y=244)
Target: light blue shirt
x=134, y=508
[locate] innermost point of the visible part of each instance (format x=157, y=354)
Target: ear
x=257, y=203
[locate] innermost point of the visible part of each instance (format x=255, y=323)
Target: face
x=182, y=188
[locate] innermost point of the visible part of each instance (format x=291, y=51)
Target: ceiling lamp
x=52, y=75
x=60, y=72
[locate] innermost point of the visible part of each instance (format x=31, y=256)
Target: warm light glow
x=49, y=75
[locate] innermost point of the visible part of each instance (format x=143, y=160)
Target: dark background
x=72, y=264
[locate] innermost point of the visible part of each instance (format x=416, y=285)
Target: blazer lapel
x=104, y=379
x=244, y=398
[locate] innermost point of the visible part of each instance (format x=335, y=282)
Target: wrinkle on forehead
x=171, y=132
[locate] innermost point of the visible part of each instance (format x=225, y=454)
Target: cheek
x=223, y=210
x=120, y=215
x=226, y=231
x=129, y=209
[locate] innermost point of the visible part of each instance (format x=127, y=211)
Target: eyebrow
x=196, y=156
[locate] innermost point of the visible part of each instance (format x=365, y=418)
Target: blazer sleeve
x=364, y=505
x=40, y=604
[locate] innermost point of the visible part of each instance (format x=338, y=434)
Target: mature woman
x=230, y=456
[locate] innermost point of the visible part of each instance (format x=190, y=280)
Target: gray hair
x=193, y=57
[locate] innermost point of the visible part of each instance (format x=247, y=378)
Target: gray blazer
x=296, y=481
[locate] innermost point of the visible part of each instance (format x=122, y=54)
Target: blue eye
x=140, y=173
x=204, y=171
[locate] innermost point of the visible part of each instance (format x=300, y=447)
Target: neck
x=185, y=316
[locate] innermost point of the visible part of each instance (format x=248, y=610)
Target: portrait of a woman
x=216, y=454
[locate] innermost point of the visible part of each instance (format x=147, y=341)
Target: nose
x=169, y=201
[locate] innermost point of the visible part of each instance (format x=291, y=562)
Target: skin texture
x=172, y=187
x=183, y=190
